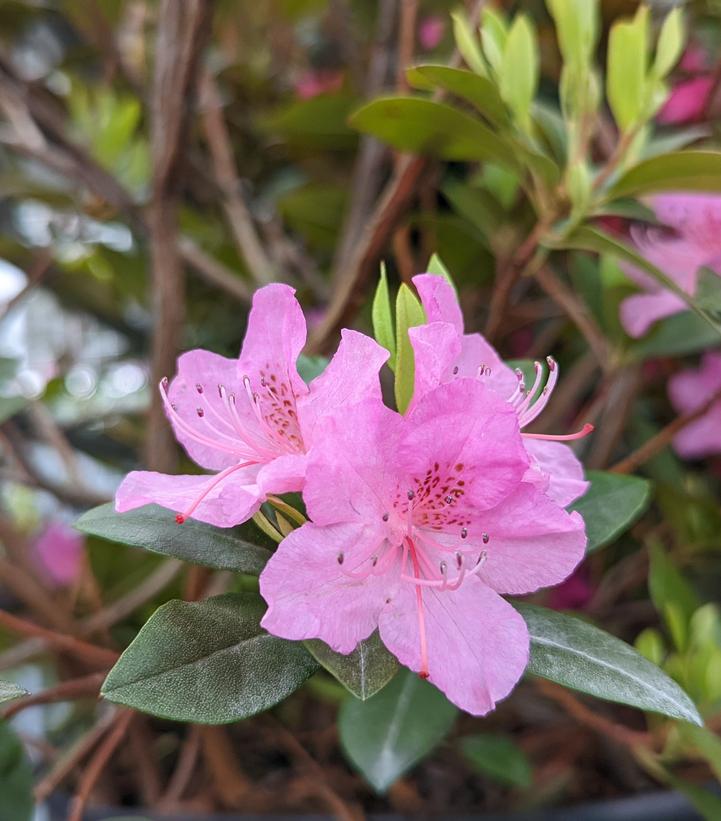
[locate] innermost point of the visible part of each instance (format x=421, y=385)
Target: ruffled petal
x=439, y=300
x=533, y=542
x=700, y=438
x=310, y=592
x=562, y=476
x=477, y=643
x=283, y=475
x=640, y=311
x=436, y=349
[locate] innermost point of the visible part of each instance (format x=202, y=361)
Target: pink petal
x=310, y=594
x=702, y=437
x=466, y=423
x=697, y=219
x=352, y=469
x=207, y=370
x=283, y=475
x=430, y=31
x=533, y=542
x=640, y=311
x=561, y=466
x=436, y=349
x=687, y=101
x=691, y=388
x=350, y=377
x=439, y=300
x=59, y=553
x=477, y=643
x=477, y=353
x=229, y=503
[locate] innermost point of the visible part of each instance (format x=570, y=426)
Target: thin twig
x=70, y=690
x=664, y=437
x=97, y=764
x=184, y=769
x=213, y=271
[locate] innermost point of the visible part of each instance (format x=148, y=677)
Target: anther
x=485, y=538
x=464, y=532
x=519, y=374
x=411, y=495
x=199, y=388
x=180, y=519
x=341, y=558
x=551, y=362
x=221, y=391
x=164, y=383
x=385, y=517
x=455, y=370
x=449, y=500
x=374, y=561
x=459, y=559
x=444, y=568
x=200, y=412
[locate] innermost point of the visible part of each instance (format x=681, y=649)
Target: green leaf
x=706, y=743
x=479, y=91
x=436, y=266
x=383, y=317
x=681, y=334
x=318, y=123
x=494, y=34
x=409, y=314
x=611, y=505
x=708, y=291
x=671, y=41
x=16, y=778
x=498, y=757
x=468, y=44
x=672, y=595
x=364, y=672
x=386, y=735
x=243, y=549
x=649, y=644
x=626, y=71
x=427, y=127
x=519, y=73
x=591, y=239
x=677, y=171
x=578, y=655
x=208, y=662
x=706, y=803
x=309, y=367
x=577, y=27
x=9, y=690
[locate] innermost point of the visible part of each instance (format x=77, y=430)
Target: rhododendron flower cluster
x=418, y=523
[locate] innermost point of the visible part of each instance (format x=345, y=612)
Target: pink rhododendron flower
x=574, y=593
x=690, y=241
x=252, y=419
x=430, y=31
x=419, y=523
x=689, y=390
x=687, y=102
x=58, y=552
x=444, y=353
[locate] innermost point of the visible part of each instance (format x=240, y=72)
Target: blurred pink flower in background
x=572, y=594
x=430, y=31
x=689, y=390
x=58, y=553
x=689, y=97
x=688, y=240
x=315, y=82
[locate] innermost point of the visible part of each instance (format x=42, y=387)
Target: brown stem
x=664, y=437
x=406, y=41
x=97, y=764
x=184, y=769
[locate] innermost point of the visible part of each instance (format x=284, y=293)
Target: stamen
x=455, y=370
x=340, y=558
x=530, y=413
x=485, y=538
x=423, y=672
x=215, y=481
x=464, y=532
x=569, y=437
x=385, y=517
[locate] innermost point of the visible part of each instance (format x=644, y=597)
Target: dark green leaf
x=243, y=549
x=426, y=127
x=708, y=291
x=477, y=90
x=678, y=171
x=16, y=778
x=611, y=505
x=499, y=758
x=9, y=690
x=681, y=334
x=363, y=672
x=208, y=662
x=386, y=735
x=578, y=655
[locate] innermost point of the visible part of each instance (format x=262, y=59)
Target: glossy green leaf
x=426, y=127
x=479, y=91
x=409, y=314
x=9, y=690
x=243, y=549
x=364, y=672
x=208, y=662
x=578, y=655
x=468, y=43
x=677, y=171
x=16, y=778
x=498, y=757
x=671, y=41
x=611, y=505
x=520, y=68
x=626, y=69
x=386, y=735
x=382, y=316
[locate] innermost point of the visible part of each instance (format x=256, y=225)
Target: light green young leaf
x=705, y=743
x=519, y=69
x=671, y=41
x=436, y=266
x=671, y=594
x=208, y=662
x=16, y=778
x=386, y=735
x=498, y=757
x=468, y=44
x=383, y=317
x=649, y=644
x=578, y=655
x=494, y=32
x=626, y=71
x=577, y=26
x=409, y=314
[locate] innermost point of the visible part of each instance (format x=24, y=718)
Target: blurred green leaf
x=706, y=743
x=611, y=505
x=626, y=69
x=708, y=291
x=318, y=123
x=409, y=314
x=208, y=662
x=671, y=41
x=577, y=27
x=243, y=549
x=309, y=367
x=16, y=778
x=498, y=757
x=706, y=803
x=519, y=70
x=316, y=212
x=671, y=594
x=649, y=644
x=386, y=735
x=578, y=655
x=427, y=127
x=681, y=334
x=677, y=171
x=364, y=672
x=474, y=88
x=468, y=43
x=494, y=34
x=382, y=317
